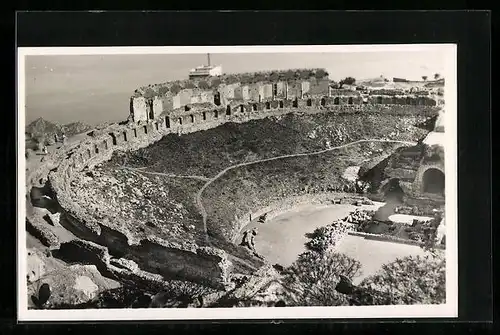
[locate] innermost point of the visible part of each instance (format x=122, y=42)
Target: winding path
x=199, y=201
x=141, y=170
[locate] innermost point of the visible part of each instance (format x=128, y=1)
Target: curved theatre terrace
x=170, y=188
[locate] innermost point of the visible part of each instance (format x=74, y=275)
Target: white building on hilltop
x=205, y=70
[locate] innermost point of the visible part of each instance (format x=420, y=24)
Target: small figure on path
x=44, y=150
x=252, y=239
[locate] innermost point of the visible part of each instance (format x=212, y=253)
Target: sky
x=97, y=88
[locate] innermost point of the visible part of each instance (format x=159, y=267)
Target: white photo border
x=447, y=310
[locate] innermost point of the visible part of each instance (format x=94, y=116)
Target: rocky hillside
x=43, y=130
x=42, y=127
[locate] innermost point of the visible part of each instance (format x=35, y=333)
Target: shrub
x=312, y=279
x=190, y=85
x=203, y=85
x=149, y=93
x=175, y=88
x=320, y=74
x=163, y=90
x=409, y=280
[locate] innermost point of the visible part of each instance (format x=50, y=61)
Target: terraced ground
x=206, y=153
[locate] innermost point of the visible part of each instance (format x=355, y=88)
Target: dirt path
x=199, y=195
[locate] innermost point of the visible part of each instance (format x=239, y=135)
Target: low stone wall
x=389, y=238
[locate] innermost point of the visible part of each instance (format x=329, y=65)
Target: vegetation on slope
x=206, y=153
x=249, y=188
x=140, y=203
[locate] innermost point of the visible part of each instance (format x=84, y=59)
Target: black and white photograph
x=257, y=182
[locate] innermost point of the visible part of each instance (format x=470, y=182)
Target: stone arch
x=350, y=101
x=125, y=134
x=254, y=107
x=228, y=110
x=217, y=100
x=295, y=103
x=336, y=101
x=204, y=115
x=113, y=137
x=309, y=102
x=216, y=114
x=151, y=112
x=192, y=118
x=392, y=190
x=268, y=105
x=167, y=122
x=433, y=181
x=281, y=104
x=379, y=100
x=323, y=102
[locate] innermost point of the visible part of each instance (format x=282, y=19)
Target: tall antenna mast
x=208, y=56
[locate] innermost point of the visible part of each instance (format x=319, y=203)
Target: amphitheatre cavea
x=273, y=188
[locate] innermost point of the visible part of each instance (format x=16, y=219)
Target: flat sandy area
x=281, y=239
x=373, y=254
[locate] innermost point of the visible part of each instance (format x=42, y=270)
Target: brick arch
x=433, y=180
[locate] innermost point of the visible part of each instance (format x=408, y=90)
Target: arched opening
x=167, y=122
x=408, y=101
x=157, y=126
x=187, y=108
x=350, y=101
x=379, y=100
x=192, y=118
x=145, y=130
x=336, y=101
x=254, y=107
x=393, y=192
x=268, y=105
x=135, y=133
x=216, y=114
x=180, y=120
x=275, y=90
x=113, y=137
x=242, y=109
x=394, y=100
x=433, y=181
x=125, y=134
x=295, y=103
x=323, y=102
x=228, y=110
x=204, y=115
x=88, y=153
x=281, y=104
x=309, y=102
x=151, y=111
x=105, y=144
x=217, y=99
x=96, y=149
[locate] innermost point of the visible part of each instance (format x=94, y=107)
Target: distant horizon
x=96, y=88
